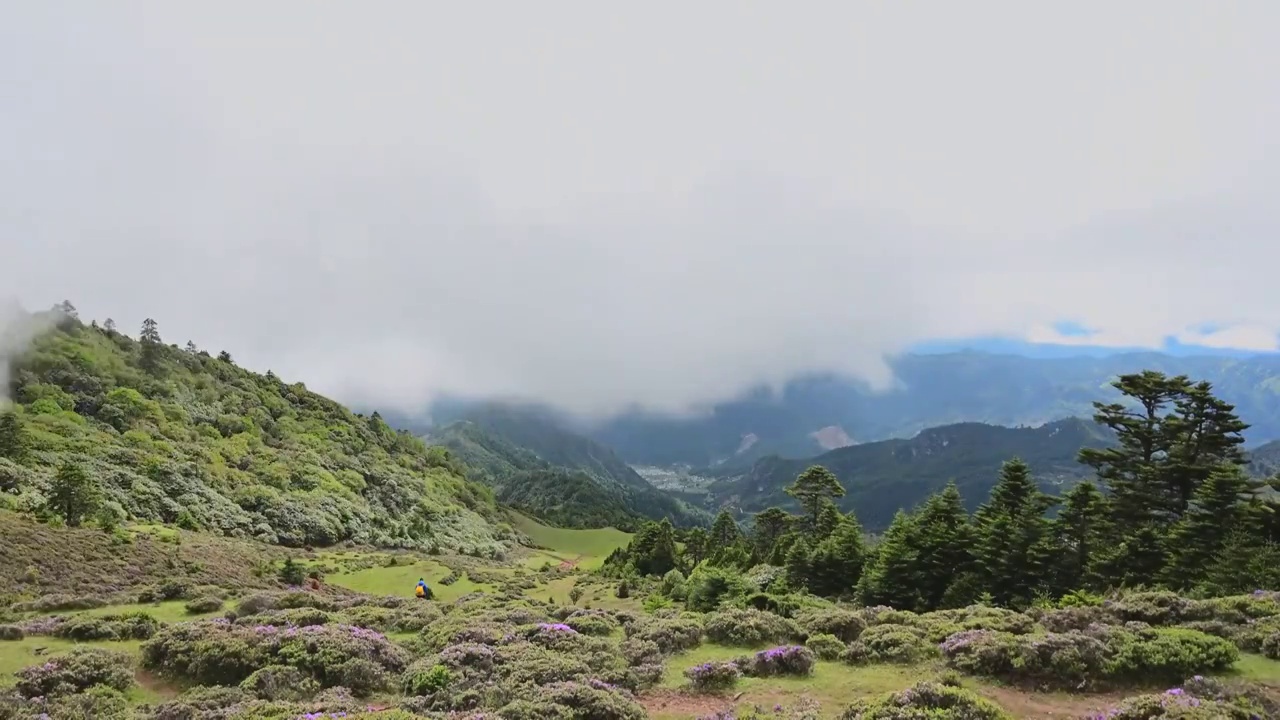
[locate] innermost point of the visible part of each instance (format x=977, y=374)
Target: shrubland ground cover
x=507, y=648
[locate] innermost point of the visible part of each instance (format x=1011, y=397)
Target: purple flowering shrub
x=590, y=622
x=783, y=660
x=280, y=682
x=98, y=702
x=1099, y=657
x=713, y=676
x=1199, y=698
x=927, y=700
x=225, y=703
x=221, y=653
x=591, y=699
x=1070, y=618
x=75, y=672
x=844, y=624
x=553, y=636
x=748, y=628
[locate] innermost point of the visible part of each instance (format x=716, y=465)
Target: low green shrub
x=748, y=628
x=76, y=671
x=933, y=701
x=126, y=626
x=204, y=605
x=826, y=647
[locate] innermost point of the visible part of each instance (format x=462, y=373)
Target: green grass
x=17, y=654
x=586, y=548
x=1257, y=668
x=833, y=685
x=401, y=579
x=171, y=611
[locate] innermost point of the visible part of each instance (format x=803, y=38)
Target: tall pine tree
x=811, y=488
x=1012, y=547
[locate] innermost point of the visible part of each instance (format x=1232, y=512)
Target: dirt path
x=675, y=704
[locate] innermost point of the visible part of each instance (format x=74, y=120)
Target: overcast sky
x=662, y=203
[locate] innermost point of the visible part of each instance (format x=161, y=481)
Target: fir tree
x=152, y=346
x=767, y=528
x=811, y=488
x=1078, y=534
x=1011, y=548
x=13, y=437
x=73, y=495
x=797, y=564
x=891, y=578
x=942, y=541
x=1196, y=541
x=836, y=564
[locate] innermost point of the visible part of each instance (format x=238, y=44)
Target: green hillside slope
x=177, y=436
x=595, y=490
x=881, y=477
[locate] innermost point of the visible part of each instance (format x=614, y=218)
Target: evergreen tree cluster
x=1172, y=506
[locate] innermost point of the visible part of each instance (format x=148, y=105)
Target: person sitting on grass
x=422, y=590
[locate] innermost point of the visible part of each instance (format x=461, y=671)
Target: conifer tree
x=829, y=518
x=13, y=439
x=811, y=488
x=942, y=541
x=73, y=495
x=767, y=528
x=891, y=578
x=1200, y=536
x=1078, y=534
x=797, y=564
x=1012, y=549
x=836, y=563
x=152, y=346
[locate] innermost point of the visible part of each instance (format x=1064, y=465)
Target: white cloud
x=599, y=204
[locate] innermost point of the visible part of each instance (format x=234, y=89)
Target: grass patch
x=401, y=579
x=586, y=548
x=1257, y=668
x=15, y=655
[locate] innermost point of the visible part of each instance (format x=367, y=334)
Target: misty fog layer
x=596, y=206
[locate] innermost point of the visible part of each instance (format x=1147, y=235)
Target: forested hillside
x=881, y=477
x=933, y=390
x=107, y=429
x=595, y=490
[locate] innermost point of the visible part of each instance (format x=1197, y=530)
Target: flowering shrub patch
x=785, y=660
x=1198, y=698
x=713, y=676
x=1101, y=656
x=670, y=635
x=75, y=672
x=219, y=652
x=927, y=700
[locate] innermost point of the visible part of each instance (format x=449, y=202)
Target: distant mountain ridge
x=936, y=390
x=537, y=466
x=881, y=477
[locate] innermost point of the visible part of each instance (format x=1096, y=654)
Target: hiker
x=422, y=591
